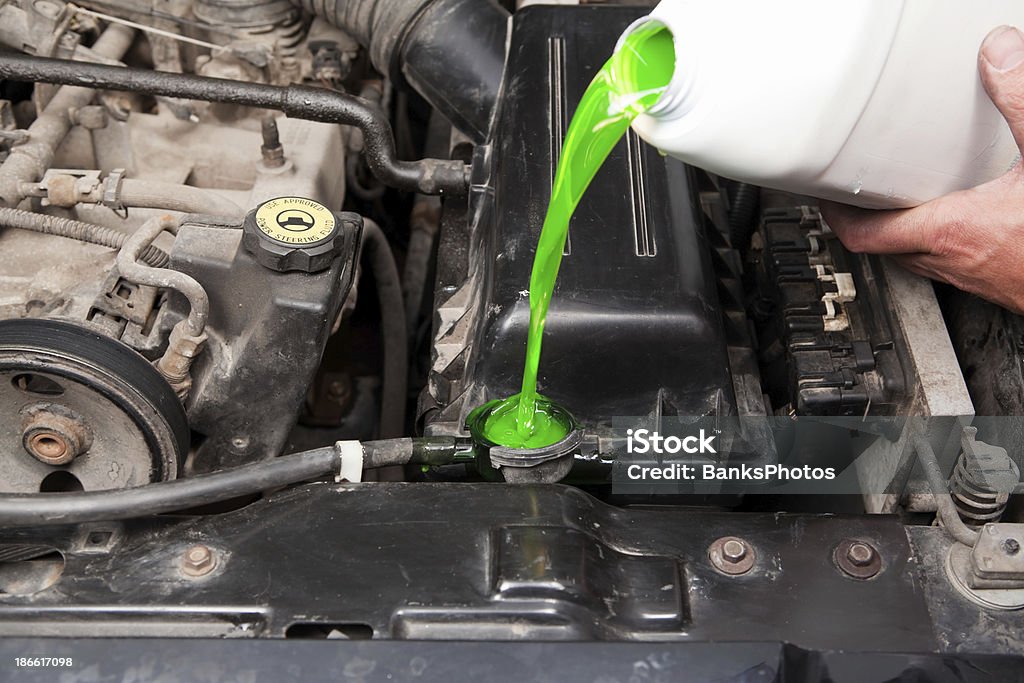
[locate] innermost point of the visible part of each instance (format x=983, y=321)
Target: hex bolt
x=731, y=555
x=199, y=560
x=272, y=149
x=860, y=554
x=54, y=435
x=1011, y=546
x=857, y=559
x=734, y=550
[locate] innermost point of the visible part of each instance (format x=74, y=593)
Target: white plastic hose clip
x=351, y=469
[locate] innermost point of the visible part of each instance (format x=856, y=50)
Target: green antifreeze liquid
x=629, y=83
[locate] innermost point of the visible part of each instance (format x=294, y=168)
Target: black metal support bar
x=427, y=176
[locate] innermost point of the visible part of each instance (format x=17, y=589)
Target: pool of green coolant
x=550, y=425
x=630, y=82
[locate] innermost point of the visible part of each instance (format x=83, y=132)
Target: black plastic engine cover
x=635, y=327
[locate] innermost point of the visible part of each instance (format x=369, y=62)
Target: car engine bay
x=260, y=263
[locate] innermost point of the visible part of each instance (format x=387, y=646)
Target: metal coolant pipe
x=427, y=176
x=28, y=162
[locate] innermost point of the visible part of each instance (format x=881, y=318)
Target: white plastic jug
x=876, y=103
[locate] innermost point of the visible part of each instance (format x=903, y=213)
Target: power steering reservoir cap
x=294, y=233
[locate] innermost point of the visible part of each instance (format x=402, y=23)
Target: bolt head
x=49, y=447
x=860, y=554
x=198, y=554
x=54, y=435
x=734, y=550
x=732, y=556
x=199, y=560
x=1011, y=546
x=857, y=559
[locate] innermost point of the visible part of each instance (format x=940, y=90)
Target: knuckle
x=854, y=240
x=1008, y=94
x=953, y=236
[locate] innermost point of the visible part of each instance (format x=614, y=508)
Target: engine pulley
x=81, y=411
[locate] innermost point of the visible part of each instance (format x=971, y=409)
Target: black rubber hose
x=427, y=176
x=439, y=450
x=76, y=230
x=354, y=185
x=392, y=313
x=742, y=215
x=40, y=509
x=424, y=225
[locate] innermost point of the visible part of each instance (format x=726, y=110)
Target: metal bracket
x=68, y=186
x=997, y=560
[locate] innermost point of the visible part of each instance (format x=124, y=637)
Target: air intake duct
x=451, y=51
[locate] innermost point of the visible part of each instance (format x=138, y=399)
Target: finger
x=1001, y=66
x=903, y=231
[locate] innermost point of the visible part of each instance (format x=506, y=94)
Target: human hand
x=974, y=239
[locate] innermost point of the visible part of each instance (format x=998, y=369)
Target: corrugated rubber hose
x=76, y=230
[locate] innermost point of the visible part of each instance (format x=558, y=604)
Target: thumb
x=1001, y=65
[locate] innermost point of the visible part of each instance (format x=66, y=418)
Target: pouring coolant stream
x=875, y=103
x=632, y=80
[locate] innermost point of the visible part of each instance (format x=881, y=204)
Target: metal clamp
x=112, y=192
